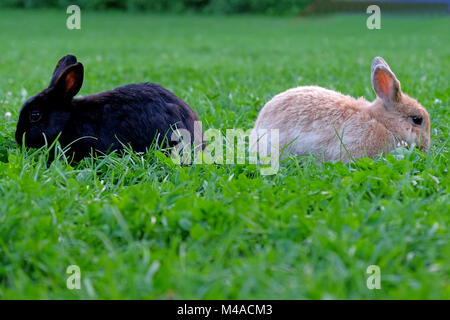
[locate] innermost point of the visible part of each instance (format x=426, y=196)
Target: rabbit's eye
x=417, y=120
x=35, y=116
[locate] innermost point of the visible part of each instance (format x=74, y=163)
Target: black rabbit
x=134, y=115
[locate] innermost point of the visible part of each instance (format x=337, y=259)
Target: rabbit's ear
x=63, y=63
x=69, y=82
x=384, y=82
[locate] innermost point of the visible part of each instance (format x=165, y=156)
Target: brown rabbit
x=337, y=127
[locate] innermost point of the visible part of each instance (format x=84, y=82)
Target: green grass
x=141, y=227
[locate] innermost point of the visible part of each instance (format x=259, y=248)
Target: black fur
x=132, y=115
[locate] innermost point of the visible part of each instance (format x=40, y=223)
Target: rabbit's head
x=402, y=115
x=45, y=115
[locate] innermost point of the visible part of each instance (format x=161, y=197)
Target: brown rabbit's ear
x=63, y=63
x=384, y=82
x=70, y=81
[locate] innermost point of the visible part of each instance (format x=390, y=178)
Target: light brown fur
x=338, y=127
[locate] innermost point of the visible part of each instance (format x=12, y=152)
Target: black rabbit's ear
x=69, y=82
x=63, y=63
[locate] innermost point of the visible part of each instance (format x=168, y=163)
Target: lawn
x=139, y=226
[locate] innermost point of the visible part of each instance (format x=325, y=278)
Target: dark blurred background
x=269, y=7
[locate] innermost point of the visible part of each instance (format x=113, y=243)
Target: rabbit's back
x=312, y=119
x=308, y=104
x=135, y=114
